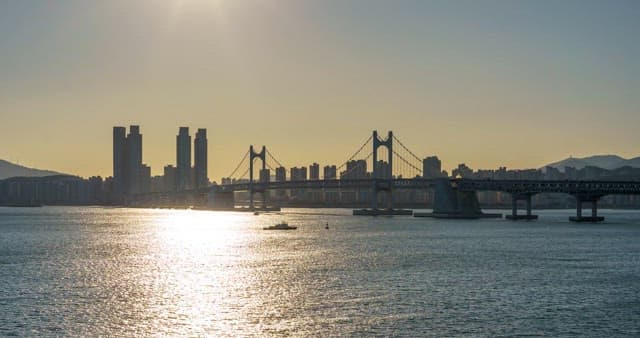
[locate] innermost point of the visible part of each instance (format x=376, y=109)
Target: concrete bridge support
x=594, y=210
x=451, y=203
x=514, y=208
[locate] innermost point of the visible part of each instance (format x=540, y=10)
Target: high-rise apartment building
x=314, y=171
x=281, y=174
x=119, y=160
x=431, y=167
x=356, y=169
x=183, y=159
x=299, y=174
x=265, y=175
x=133, y=159
x=170, y=178
x=127, y=161
x=329, y=172
x=200, y=158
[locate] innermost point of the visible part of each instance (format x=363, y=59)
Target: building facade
x=183, y=159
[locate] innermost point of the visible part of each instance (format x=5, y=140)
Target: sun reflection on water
x=203, y=253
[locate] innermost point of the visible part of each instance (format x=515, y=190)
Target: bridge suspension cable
x=274, y=159
x=407, y=163
x=356, y=153
x=239, y=164
x=244, y=175
x=358, y=166
x=407, y=149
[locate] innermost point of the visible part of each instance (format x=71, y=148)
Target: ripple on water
x=94, y=271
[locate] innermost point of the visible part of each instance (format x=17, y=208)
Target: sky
x=488, y=83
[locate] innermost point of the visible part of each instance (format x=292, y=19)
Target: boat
x=280, y=226
x=326, y=226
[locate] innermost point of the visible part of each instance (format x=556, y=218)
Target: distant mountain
x=609, y=162
x=8, y=169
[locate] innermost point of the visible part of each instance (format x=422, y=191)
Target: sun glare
x=201, y=229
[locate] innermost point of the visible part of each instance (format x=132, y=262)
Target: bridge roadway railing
x=327, y=184
x=544, y=186
x=510, y=186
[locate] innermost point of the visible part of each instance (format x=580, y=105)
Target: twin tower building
x=131, y=176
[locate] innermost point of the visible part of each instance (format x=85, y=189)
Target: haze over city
x=492, y=83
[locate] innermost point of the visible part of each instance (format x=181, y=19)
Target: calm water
x=97, y=271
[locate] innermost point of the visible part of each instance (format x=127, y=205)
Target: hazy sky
x=489, y=83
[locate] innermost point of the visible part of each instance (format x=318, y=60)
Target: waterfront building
x=314, y=171
x=119, y=160
x=356, y=169
x=145, y=178
x=183, y=159
x=265, y=175
x=329, y=172
x=299, y=174
x=170, y=178
x=200, y=158
x=431, y=167
x=281, y=174
x=133, y=159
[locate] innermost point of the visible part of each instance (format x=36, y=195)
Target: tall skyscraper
x=133, y=160
x=200, y=158
x=183, y=158
x=119, y=160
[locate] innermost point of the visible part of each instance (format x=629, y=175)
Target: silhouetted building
x=183, y=158
x=157, y=184
x=145, y=178
x=329, y=172
x=431, y=167
x=170, y=178
x=462, y=171
x=356, y=169
x=281, y=174
x=314, y=171
x=265, y=175
x=119, y=160
x=298, y=174
x=133, y=156
x=383, y=169
x=200, y=158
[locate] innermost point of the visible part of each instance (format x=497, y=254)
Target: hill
x=609, y=162
x=8, y=169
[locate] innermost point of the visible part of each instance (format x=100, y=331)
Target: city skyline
x=310, y=80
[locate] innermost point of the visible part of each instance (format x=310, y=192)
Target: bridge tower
x=382, y=183
x=253, y=155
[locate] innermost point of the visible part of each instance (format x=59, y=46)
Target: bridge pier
x=452, y=203
x=514, y=208
x=594, y=210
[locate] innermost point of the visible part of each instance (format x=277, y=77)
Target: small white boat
x=280, y=226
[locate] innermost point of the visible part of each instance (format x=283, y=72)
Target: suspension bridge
x=380, y=167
